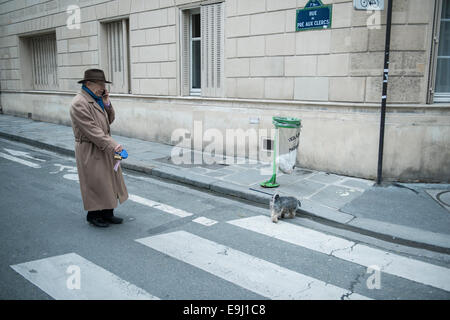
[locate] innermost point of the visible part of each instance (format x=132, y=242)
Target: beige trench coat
x=100, y=185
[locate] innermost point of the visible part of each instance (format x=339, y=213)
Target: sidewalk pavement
x=417, y=215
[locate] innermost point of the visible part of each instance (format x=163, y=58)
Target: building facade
x=208, y=67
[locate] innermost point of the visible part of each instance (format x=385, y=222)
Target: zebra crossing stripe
x=262, y=277
x=205, y=221
x=411, y=269
x=72, y=277
x=159, y=206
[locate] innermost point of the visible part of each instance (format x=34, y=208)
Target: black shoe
x=108, y=215
x=98, y=222
x=93, y=214
x=113, y=220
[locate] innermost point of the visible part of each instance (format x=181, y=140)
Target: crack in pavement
x=382, y=268
x=352, y=286
x=351, y=249
x=306, y=289
x=224, y=252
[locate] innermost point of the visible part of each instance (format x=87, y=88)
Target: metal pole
x=384, y=94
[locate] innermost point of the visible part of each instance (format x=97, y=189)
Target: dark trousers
x=100, y=214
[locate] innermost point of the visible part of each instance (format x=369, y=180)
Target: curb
x=39, y=144
x=317, y=212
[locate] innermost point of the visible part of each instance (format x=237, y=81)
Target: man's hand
x=105, y=98
x=119, y=148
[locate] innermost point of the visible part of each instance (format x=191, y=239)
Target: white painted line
x=262, y=277
x=415, y=270
x=24, y=162
x=205, y=221
x=411, y=269
x=71, y=176
x=22, y=154
x=71, y=277
x=70, y=169
x=159, y=206
x=294, y=234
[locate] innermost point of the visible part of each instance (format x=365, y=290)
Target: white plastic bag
x=288, y=144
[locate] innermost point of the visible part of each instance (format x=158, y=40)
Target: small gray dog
x=279, y=206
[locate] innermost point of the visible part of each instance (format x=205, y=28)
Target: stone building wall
x=331, y=79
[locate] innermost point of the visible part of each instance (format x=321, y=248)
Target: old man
x=101, y=186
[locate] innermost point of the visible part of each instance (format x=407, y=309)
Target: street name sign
x=315, y=15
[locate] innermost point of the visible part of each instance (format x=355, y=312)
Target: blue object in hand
x=123, y=154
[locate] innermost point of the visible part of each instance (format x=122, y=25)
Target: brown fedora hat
x=94, y=75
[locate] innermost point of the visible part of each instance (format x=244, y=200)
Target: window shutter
x=204, y=44
x=117, y=55
x=212, y=17
x=185, y=49
x=220, y=50
x=43, y=52
x=125, y=59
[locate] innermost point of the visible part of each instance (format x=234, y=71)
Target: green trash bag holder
x=279, y=122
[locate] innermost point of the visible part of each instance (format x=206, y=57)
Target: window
x=39, y=55
x=442, y=85
x=202, y=51
x=195, y=48
x=115, y=53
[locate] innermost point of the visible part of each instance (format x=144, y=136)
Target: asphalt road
x=177, y=242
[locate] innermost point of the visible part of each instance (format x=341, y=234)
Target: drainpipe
x=1, y=108
x=384, y=94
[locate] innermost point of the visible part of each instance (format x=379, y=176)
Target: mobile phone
x=103, y=92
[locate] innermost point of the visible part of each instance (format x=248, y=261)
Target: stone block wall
x=153, y=40
x=265, y=58
x=331, y=79
x=341, y=64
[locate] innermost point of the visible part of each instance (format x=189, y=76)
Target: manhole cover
x=441, y=196
x=444, y=197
